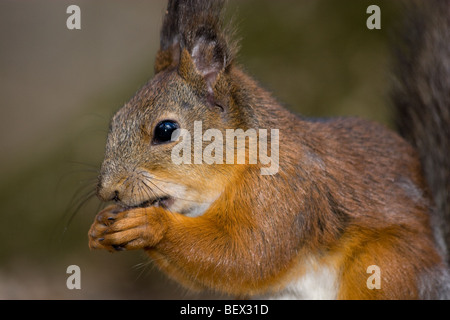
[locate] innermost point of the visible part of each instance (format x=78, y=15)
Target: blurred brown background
x=59, y=88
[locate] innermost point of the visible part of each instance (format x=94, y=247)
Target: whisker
x=85, y=164
x=76, y=196
x=148, y=190
x=165, y=192
x=83, y=199
x=67, y=174
x=144, y=266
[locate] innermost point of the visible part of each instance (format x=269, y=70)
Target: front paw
x=116, y=229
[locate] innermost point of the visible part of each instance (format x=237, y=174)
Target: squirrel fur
x=348, y=194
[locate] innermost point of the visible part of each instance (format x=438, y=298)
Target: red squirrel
x=346, y=195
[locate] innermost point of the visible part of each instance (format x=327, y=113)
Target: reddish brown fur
x=348, y=192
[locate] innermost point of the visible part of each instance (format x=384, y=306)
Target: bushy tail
x=422, y=98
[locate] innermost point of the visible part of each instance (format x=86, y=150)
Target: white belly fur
x=317, y=282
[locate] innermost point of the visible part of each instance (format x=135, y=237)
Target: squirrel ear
x=194, y=39
x=206, y=39
x=169, y=52
x=203, y=63
x=210, y=58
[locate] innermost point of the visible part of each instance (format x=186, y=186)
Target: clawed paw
x=117, y=229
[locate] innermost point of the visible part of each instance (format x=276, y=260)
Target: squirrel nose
x=107, y=193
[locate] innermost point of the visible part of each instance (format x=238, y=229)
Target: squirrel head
x=192, y=83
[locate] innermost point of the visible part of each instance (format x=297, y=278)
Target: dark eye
x=164, y=130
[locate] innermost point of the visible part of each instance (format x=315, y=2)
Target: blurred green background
x=60, y=87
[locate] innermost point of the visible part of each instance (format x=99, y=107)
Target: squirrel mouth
x=163, y=202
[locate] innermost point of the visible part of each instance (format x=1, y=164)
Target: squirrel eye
x=164, y=130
